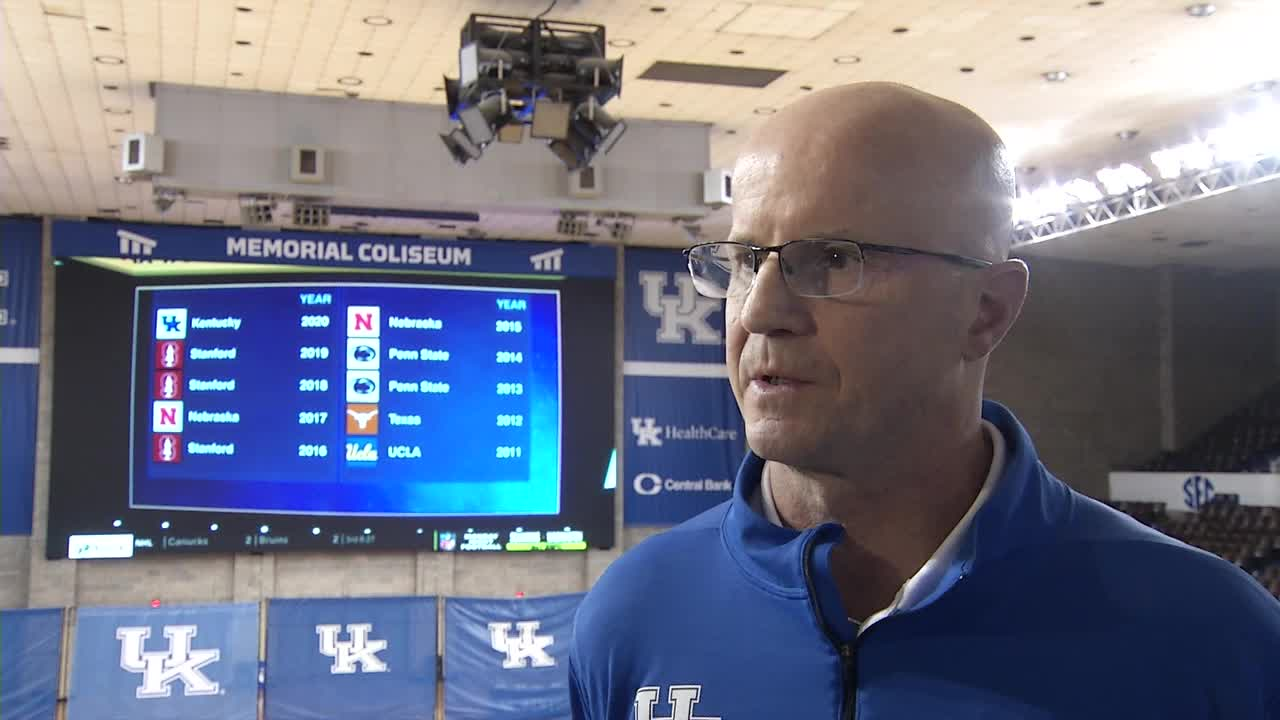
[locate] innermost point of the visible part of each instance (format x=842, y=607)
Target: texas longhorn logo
x=528, y=645
x=347, y=654
x=159, y=668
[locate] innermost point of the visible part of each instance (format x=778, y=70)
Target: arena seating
x=1245, y=535
x=1244, y=441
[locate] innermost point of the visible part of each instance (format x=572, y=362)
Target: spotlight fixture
x=551, y=75
x=1201, y=10
x=1056, y=76
x=847, y=60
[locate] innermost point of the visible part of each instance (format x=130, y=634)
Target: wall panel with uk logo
x=351, y=658
x=197, y=662
x=508, y=658
x=19, y=370
x=684, y=434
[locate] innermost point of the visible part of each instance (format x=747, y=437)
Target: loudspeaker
x=142, y=155
x=717, y=187
x=307, y=164
x=587, y=182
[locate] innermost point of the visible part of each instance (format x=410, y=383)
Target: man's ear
x=1004, y=288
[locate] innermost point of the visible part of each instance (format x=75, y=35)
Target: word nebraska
x=340, y=251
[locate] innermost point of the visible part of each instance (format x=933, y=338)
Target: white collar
x=926, y=580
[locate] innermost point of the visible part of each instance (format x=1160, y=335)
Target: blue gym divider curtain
x=508, y=659
x=30, y=651
x=355, y=659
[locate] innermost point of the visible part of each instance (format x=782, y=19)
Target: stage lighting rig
x=551, y=75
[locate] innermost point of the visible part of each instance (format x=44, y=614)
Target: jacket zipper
x=847, y=651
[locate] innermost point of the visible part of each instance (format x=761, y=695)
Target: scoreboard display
x=306, y=411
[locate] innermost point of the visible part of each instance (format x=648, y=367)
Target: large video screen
x=298, y=411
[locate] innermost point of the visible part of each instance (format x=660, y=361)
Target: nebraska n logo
x=682, y=313
x=683, y=698
x=160, y=668
x=347, y=653
x=527, y=645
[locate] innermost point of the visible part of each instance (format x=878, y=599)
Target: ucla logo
x=647, y=431
x=160, y=668
x=682, y=315
x=525, y=649
x=346, y=654
x=682, y=698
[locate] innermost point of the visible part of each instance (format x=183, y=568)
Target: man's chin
x=779, y=441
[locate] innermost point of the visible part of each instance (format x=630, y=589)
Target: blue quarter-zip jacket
x=1055, y=606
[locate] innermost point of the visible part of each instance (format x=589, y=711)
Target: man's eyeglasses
x=811, y=267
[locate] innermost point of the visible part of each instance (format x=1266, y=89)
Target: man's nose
x=769, y=307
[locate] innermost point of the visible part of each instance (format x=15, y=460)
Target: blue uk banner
x=30, y=652
x=198, y=662
x=19, y=372
x=508, y=659
x=351, y=658
x=684, y=434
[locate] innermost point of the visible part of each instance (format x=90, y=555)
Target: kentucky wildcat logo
x=526, y=645
x=160, y=668
x=683, y=314
x=347, y=653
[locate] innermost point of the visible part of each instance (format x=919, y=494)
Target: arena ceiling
x=74, y=78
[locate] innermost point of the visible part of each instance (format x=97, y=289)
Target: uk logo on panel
x=647, y=431
x=160, y=668
x=347, y=654
x=683, y=314
x=524, y=649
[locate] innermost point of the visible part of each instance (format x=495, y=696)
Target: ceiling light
x=243, y=43
x=1201, y=10
x=664, y=104
x=108, y=60
x=365, y=53
x=1127, y=134
x=117, y=111
x=900, y=30
x=237, y=74
x=1027, y=38
x=847, y=59
x=765, y=111
x=1056, y=76
x=966, y=69
x=110, y=87
x=1120, y=180
x=1262, y=86
x=102, y=28
x=736, y=52
x=621, y=43
x=806, y=87
x=1095, y=3
x=350, y=80
x=242, y=8
x=657, y=9
x=377, y=20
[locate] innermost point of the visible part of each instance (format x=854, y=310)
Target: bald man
x=894, y=548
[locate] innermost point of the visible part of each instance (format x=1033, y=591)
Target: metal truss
x=1151, y=198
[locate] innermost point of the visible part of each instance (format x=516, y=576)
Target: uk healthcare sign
x=198, y=662
x=684, y=434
